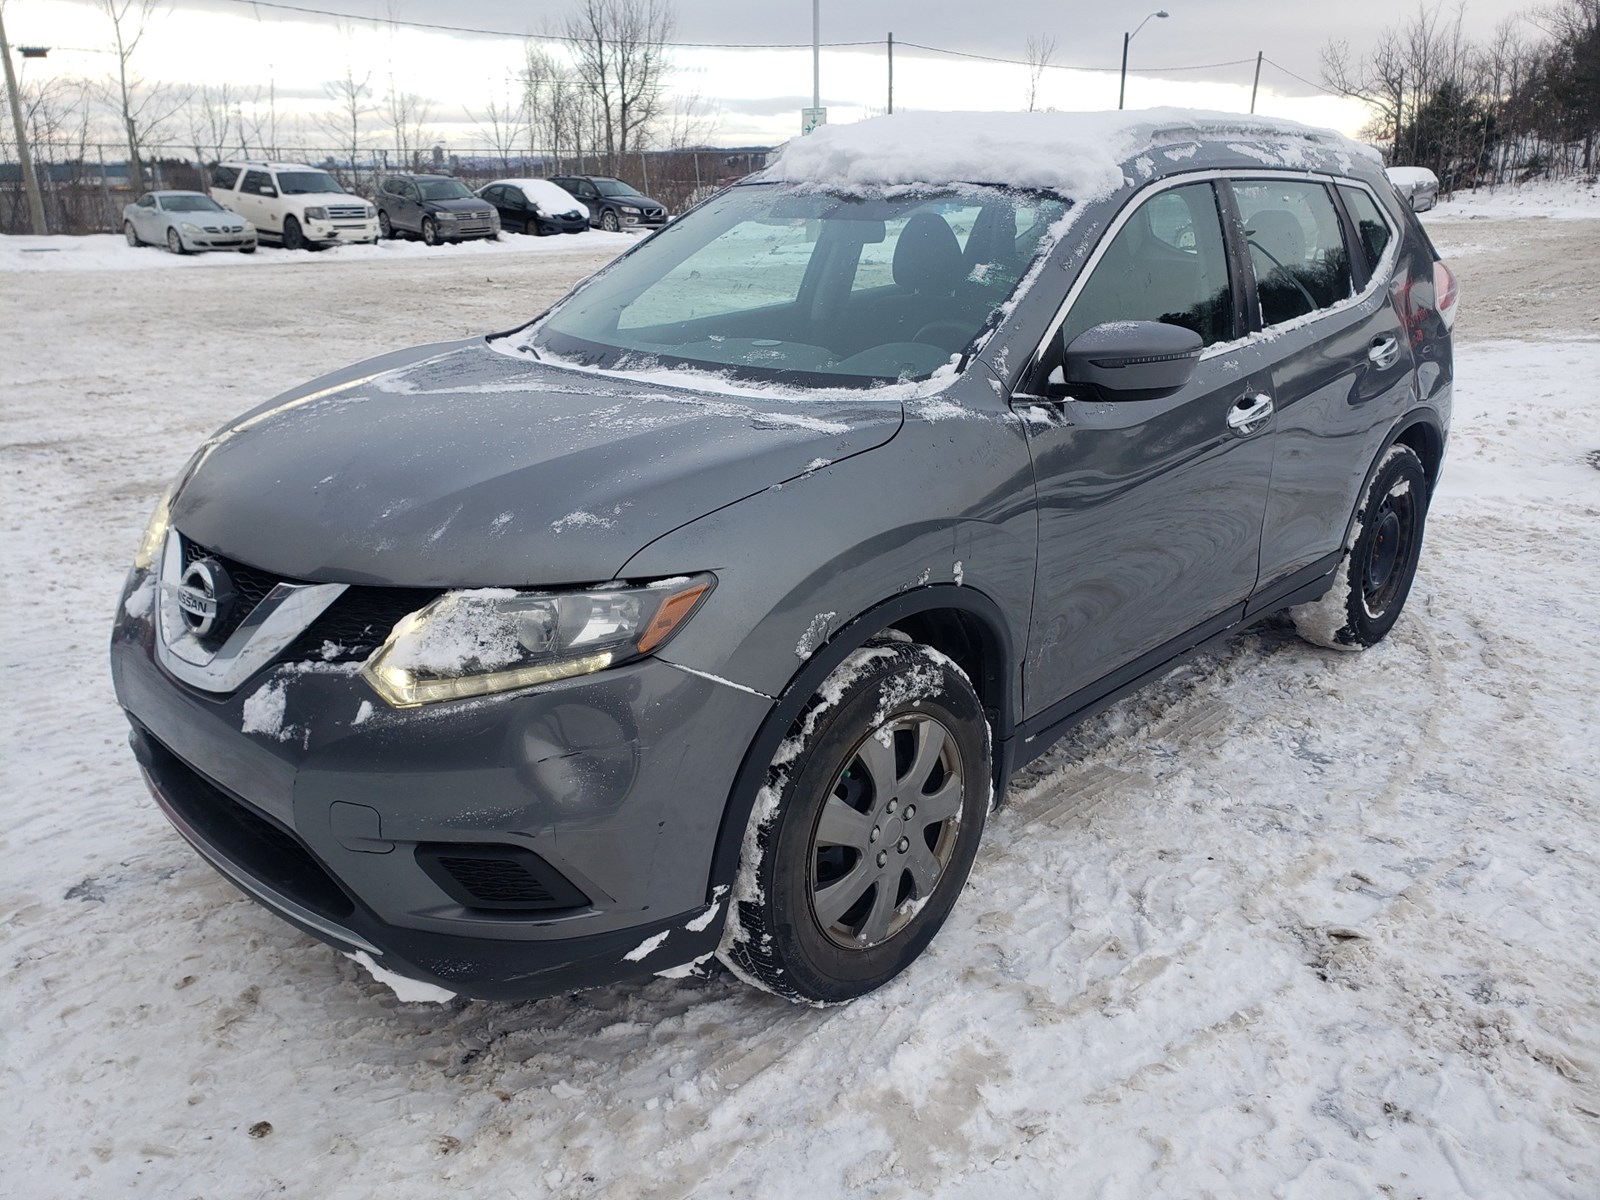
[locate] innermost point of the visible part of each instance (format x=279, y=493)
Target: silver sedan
x=185, y=222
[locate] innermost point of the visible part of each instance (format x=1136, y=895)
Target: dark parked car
x=710, y=612
x=535, y=206
x=436, y=208
x=612, y=204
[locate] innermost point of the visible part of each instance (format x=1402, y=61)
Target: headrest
x=927, y=258
x=1278, y=234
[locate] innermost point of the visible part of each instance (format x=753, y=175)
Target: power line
x=1018, y=62
x=1307, y=82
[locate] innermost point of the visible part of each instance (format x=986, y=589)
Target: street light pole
x=816, y=53
x=1122, y=89
x=30, y=181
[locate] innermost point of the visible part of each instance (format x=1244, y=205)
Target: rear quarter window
x=224, y=177
x=1375, y=232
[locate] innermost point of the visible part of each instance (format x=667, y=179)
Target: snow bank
x=1561, y=200
x=110, y=252
x=1077, y=154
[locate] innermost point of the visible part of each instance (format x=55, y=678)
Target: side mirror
x=1132, y=360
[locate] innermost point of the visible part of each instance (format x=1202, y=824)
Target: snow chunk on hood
x=1076, y=154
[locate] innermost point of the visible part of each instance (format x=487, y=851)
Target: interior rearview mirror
x=1131, y=360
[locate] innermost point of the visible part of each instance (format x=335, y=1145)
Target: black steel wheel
x=294, y=237
x=1372, y=583
x=866, y=831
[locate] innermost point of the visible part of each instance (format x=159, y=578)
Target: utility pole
x=891, y=74
x=1259, y=55
x=30, y=181
x=816, y=53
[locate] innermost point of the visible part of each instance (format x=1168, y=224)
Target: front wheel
x=866, y=829
x=1374, y=577
x=127, y=232
x=430, y=231
x=174, y=242
x=609, y=222
x=385, y=229
x=294, y=237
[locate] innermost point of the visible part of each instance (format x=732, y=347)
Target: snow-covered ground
x=1567, y=199
x=1290, y=923
x=111, y=252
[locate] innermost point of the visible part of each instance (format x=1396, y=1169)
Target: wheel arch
x=1421, y=431
x=962, y=623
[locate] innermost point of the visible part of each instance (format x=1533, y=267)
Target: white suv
x=298, y=205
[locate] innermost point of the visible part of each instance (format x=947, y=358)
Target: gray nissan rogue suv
x=708, y=613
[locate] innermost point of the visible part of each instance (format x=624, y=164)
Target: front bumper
x=340, y=231
x=332, y=814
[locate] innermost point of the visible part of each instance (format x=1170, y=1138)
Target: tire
x=174, y=242
x=1382, y=550
x=430, y=231
x=127, y=232
x=842, y=882
x=385, y=229
x=294, y=237
x=609, y=222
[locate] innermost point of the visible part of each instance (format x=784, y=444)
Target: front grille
x=347, y=212
x=250, y=587
x=504, y=878
x=355, y=624
x=260, y=847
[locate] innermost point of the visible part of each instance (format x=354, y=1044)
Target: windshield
x=443, y=189
x=190, y=204
x=306, y=183
x=614, y=187
x=809, y=287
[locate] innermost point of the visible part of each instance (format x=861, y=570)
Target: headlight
x=445, y=215
x=477, y=643
x=317, y=213
x=628, y=208
x=156, y=531
x=189, y=227
x=372, y=214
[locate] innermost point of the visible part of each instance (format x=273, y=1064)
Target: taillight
x=1444, y=293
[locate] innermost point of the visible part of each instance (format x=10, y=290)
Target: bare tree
x=1041, y=50
x=352, y=104
x=691, y=121
x=502, y=127
x=621, y=57
x=142, y=107
x=406, y=115
x=558, y=105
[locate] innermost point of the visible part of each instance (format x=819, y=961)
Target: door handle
x=1250, y=413
x=1385, y=353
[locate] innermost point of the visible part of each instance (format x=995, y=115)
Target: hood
x=459, y=466
x=463, y=204
x=316, y=198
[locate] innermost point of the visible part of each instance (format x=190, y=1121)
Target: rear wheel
x=1374, y=578
x=867, y=827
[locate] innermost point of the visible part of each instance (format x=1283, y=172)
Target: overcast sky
x=757, y=94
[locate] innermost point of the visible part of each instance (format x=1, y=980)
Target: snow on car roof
x=542, y=190
x=1078, y=154
x=1412, y=175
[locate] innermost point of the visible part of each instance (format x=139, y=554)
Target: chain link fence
x=86, y=191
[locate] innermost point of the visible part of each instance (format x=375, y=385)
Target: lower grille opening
x=497, y=877
x=258, y=846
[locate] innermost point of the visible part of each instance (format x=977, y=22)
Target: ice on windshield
x=810, y=287
x=307, y=183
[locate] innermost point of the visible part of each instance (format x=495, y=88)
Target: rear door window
x=224, y=177
x=1167, y=263
x=254, y=181
x=1296, y=247
x=1371, y=225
